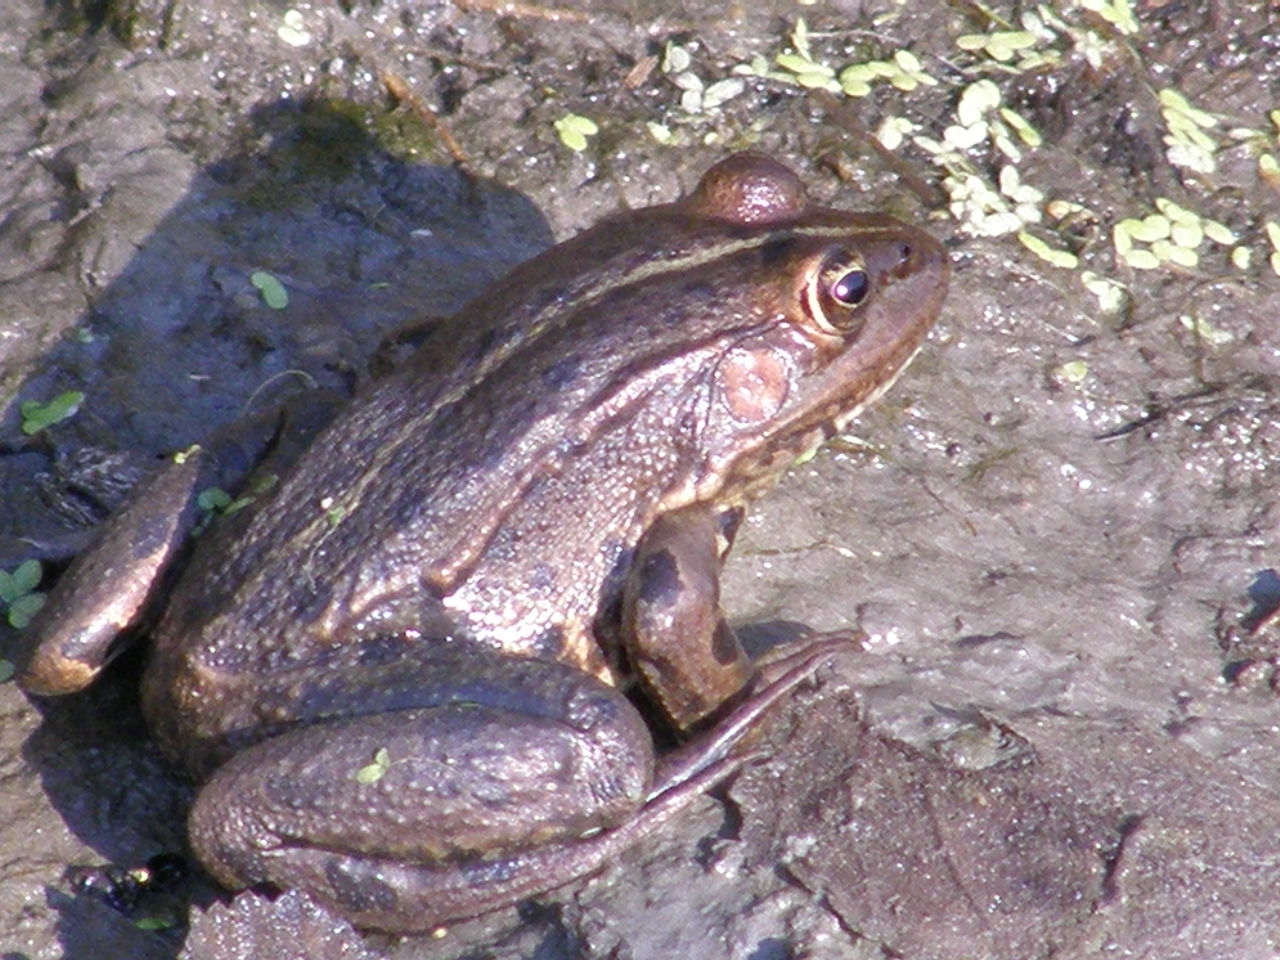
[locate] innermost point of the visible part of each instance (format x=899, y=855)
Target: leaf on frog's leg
x=375, y=771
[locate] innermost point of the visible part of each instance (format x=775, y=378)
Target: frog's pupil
x=850, y=288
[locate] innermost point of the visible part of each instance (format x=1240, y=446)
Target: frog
x=411, y=677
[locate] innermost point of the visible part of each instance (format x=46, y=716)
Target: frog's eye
x=850, y=287
x=835, y=290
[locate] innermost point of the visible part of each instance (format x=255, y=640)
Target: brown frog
x=456, y=575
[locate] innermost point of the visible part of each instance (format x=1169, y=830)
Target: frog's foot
x=782, y=658
x=777, y=676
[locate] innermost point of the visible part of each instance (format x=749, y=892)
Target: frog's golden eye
x=835, y=290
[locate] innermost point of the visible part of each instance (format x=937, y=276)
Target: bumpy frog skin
x=464, y=565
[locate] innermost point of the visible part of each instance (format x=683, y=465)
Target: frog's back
x=406, y=496
x=397, y=502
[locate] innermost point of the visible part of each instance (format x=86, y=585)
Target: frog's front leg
x=468, y=780
x=687, y=657
x=677, y=641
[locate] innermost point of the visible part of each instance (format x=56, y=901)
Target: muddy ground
x=1059, y=531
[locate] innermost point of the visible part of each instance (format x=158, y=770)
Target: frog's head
x=836, y=303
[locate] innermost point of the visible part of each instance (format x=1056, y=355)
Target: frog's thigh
x=459, y=782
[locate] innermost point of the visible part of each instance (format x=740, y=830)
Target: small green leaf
x=26, y=575
x=800, y=38
x=274, y=295
x=675, y=59
x=333, y=512
x=1110, y=294
x=855, y=87
x=1149, y=229
x=1025, y=131
x=1073, y=371
x=660, y=132
x=158, y=922
x=375, y=771
x=293, y=30
x=1273, y=233
x=1206, y=331
x=574, y=129
x=36, y=415
x=6, y=670
x=1059, y=258
x=261, y=484
x=24, y=608
x=722, y=91
x=212, y=499
x=1141, y=260
x=216, y=500
x=17, y=591
x=182, y=456
x=817, y=80
x=1218, y=232
x=802, y=65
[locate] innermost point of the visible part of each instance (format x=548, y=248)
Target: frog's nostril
x=907, y=262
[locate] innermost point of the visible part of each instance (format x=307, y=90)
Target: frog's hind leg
x=469, y=810
x=400, y=897
x=368, y=812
